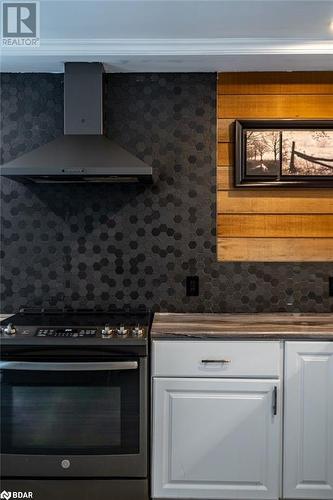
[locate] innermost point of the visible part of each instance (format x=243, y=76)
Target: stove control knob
x=121, y=330
x=9, y=330
x=137, y=331
x=106, y=332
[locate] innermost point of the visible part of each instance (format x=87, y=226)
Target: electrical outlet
x=192, y=286
x=330, y=286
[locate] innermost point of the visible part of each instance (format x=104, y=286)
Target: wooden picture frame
x=284, y=153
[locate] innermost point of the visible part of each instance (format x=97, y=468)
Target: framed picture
x=288, y=153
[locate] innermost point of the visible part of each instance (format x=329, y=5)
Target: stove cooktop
x=77, y=324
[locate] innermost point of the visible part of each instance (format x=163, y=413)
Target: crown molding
x=169, y=47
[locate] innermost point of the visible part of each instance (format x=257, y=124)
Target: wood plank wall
x=271, y=225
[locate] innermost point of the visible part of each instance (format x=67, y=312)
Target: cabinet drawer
x=216, y=359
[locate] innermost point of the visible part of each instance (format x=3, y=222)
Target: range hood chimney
x=83, y=153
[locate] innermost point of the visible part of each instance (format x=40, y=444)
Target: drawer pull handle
x=215, y=361
x=275, y=402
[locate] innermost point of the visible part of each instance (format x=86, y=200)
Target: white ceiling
x=181, y=35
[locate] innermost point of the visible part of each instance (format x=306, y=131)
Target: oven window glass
x=46, y=412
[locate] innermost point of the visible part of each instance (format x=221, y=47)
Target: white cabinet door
x=215, y=438
x=308, y=424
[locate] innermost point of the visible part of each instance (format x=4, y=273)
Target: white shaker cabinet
x=215, y=438
x=216, y=431
x=308, y=420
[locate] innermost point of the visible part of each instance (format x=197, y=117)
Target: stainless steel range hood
x=83, y=153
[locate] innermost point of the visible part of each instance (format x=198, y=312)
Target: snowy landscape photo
x=262, y=152
x=289, y=152
x=307, y=152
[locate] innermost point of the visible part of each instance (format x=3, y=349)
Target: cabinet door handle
x=217, y=361
x=274, y=405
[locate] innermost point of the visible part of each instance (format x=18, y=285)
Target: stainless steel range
x=74, y=394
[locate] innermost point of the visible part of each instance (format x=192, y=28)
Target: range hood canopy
x=83, y=153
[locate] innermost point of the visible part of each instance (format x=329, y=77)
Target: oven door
x=74, y=419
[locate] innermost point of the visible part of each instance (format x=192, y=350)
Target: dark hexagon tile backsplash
x=114, y=245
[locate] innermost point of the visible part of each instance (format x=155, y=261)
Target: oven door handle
x=85, y=366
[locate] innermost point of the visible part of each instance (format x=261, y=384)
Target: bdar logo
x=5, y=494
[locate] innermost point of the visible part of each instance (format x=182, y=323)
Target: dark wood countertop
x=277, y=326
x=5, y=316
